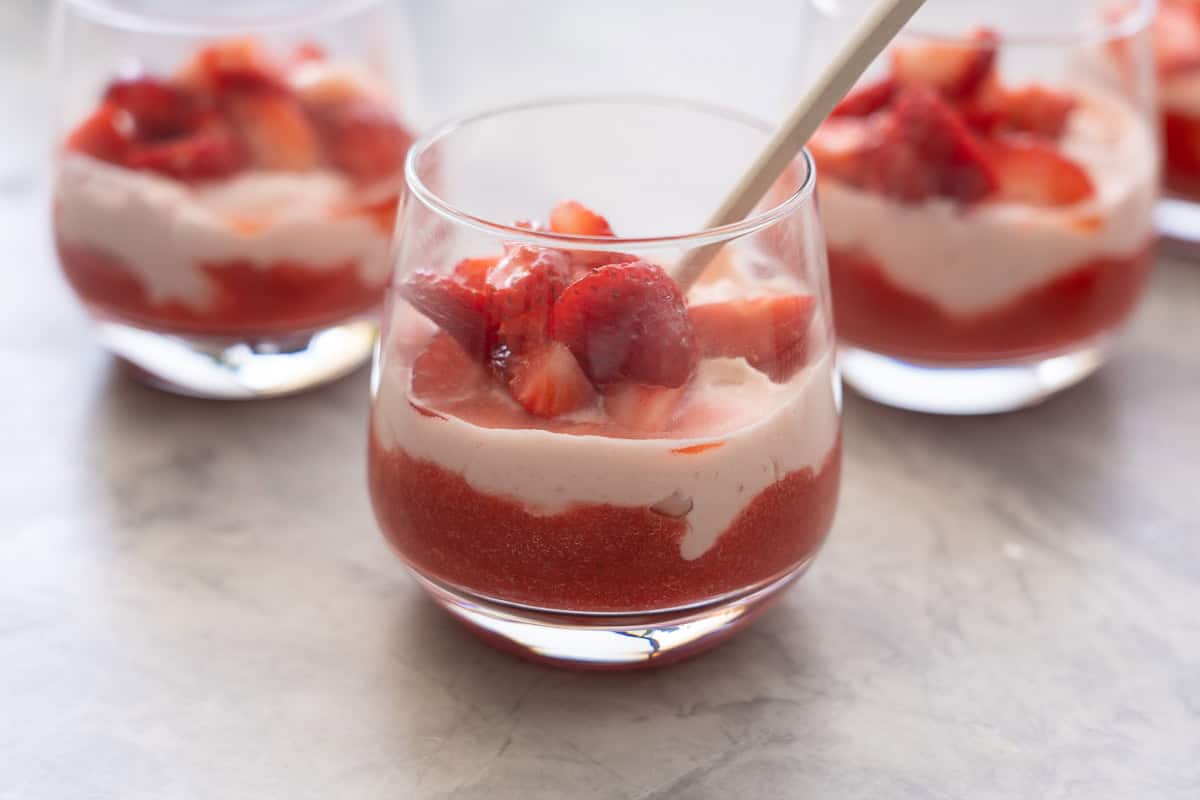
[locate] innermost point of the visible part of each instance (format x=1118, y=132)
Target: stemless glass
x=226, y=183
x=577, y=458
x=988, y=194
x=1176, y=39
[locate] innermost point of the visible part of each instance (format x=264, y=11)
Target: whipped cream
x=164, y=230
x=968, y=260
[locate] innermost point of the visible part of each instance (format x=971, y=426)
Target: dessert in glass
x=583, y=460
x=226, y=187
x=1176, y=43
x=987, y=193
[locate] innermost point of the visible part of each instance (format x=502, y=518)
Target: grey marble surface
x=195, y=603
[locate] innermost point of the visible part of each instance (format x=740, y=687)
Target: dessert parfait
x=976, y=221
x=1176, y=38
x=569, y=430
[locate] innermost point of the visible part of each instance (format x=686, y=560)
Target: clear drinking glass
x=226, y=183
x=988, y=193
x=581, y=460
x=1176, y=42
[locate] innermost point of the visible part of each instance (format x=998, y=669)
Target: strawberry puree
x=874, y=313
x=247, y=299
x=1182, y=154
x=591, y=557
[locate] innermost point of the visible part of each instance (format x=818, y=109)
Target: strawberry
x=627, y=321
x=365, y=140
x=232, y=64
x=474, y=271
x=1032, y=109
x=1176, y=37
x=523, y=287
x=106, y=134
x=445, y=372
x=1036, y=173
x=953, y=69
x=548, y=381
x=158, y=108
x=454, y=307
x=577, y=219
x=927, y=151
x=641, y=408
x=274, y=130
x=209, y=153
x=844, y=147
x=769, y=332
x=866, y=100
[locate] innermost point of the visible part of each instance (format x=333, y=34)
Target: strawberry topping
x=458, y=309
x=954, y=69
x=769, y=332
x=548, y=382
x=1035, y=173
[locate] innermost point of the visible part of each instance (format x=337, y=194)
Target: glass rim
x=751, y=224
x=104, y=12
x=1133, y=20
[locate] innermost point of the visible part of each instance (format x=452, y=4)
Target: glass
x=226, y=184
x=1176, y=41
x=988, y=194
x=575, y=458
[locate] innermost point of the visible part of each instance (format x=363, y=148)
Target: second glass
x=580, y=458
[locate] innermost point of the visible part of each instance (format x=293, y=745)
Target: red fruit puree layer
x=590, y=557
x=874, y=313
x=1182, y=153
x=246, y=299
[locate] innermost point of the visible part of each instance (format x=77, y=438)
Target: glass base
x=233, y=369
x=966, y=389
x=1178, y=221
x=606, y=641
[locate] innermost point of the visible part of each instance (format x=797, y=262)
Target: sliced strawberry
x=444, y=372
x=1176, y=37
x=1036, y=173
x=365, y=140
x=523, y=287
x=211, y=152
x=866, y=100
x=575, y=218
x=474, y=271
x=927, y=151
x=1032, y=109
x=627, y=321
x=232, y=64
x=158, y=108
x=843, y=148
x=274, y=130
x=641, y=408
x=769, y=332
x=106, y=134
x=548, y=381
x=954, y=69
x=454, y=307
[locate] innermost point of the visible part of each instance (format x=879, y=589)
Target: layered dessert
x=244, y=195
x=571, y=430
x=970, y=220
x=1176, y=37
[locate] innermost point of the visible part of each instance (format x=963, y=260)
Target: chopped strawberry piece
x=1032, y=109
x=843, y=148
x=954, y=69
x=366, y=141
x=232, y=64
x=454, y=307
x=1176, y=37
x=641, y=408
x=575, y=218
x=474, y=271
x=106, y=134
x=1036, y=173
x=158, y=108
x=274, y=130
x=627, y=321
x=769, y=332
x=523, y=287
x=445, y=372
x=927, y=151
x=548, y=381
x=210, y=153
x=866, y=100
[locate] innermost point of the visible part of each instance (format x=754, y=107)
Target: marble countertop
x=195, y=602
